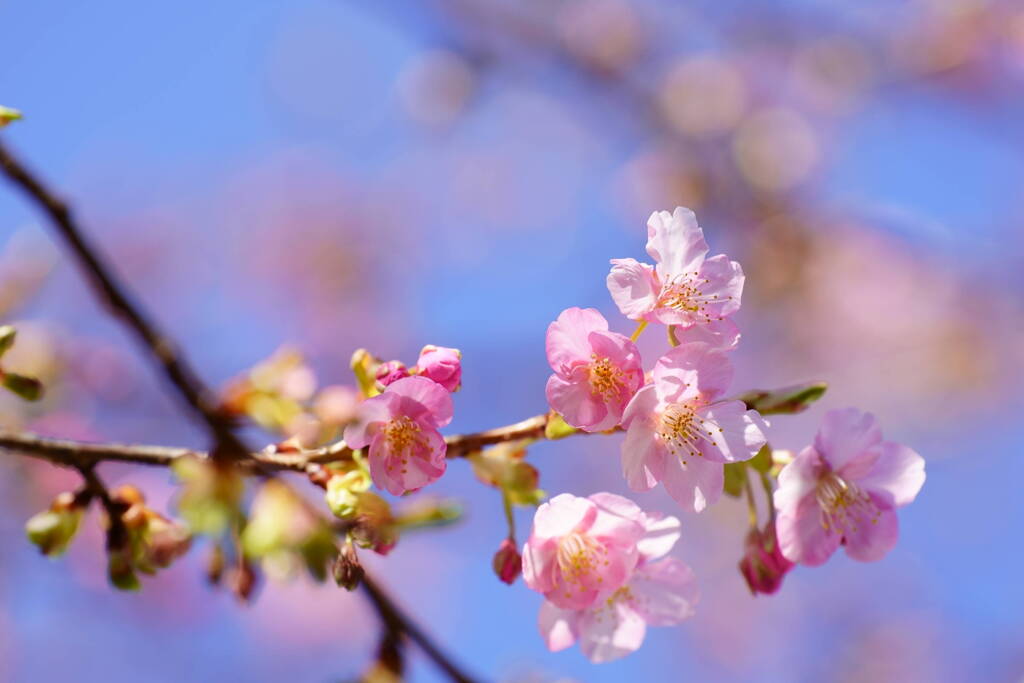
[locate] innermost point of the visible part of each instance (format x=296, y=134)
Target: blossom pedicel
x=613, y=620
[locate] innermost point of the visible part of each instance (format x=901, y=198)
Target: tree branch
x=80, y=454
x=196, y=395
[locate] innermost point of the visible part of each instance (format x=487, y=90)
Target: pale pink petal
x=611, y=632
x=661, y=534
x=613, y=529
x=584, y=589
x=618, y=505
x=721, y=286
x=802, y=537
x=576, y=403
x=559, y=627
x=383, y=471
x=847, y=436
x=423, y=400
x=693, y=481
x=643, y=456
x=641, y=406
x=720, y=335
x=539, y=563
x=562, y=515
x=634, y=288
x=566, y=342
x=675, y=242
x=871, y=536
x=730, y=432
x=664, y=593
x=692, y=371
x=896, y=476
x=369, y=415
x=410, y=469
x=798, y=479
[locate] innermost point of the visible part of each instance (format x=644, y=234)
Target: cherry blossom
x=684, y=288
x=680, y=431
x=596, y=371
x=844, y=490
x=406, y=452
x=659, y=592
x=441, y=364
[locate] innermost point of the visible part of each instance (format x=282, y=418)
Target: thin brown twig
x=84, y=454
x=181, y=375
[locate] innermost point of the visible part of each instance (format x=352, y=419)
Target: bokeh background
x=334, y=173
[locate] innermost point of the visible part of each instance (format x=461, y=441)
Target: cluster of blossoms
x=591, y=558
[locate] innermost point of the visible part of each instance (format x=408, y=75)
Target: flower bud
x=53, y=530
x=342, y=490
x=347, y=570
x=7, y=337
x=390, y=371
x=507, y=563
x=163, y=542
x=120, y=569
x=441, y=364
x=241, y=581
x=28, y=388
x=375, y=525
x=7, y=115
x=764, y=566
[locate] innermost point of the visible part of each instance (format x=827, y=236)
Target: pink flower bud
x=764, y=566
x=391, y=371
x=441, y=364
x=508, y=563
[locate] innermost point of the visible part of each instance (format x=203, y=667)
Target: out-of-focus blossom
x=579, y=553
x=685, y=288
x=406, y=452
x=507, y=562
x=775, y=149
x=504, y=467
x=764, y=566
x=702, y=96
x=436, y=86
x=441, y=364
x=596, y=371
x=680, y=433
x=844, y=490
x=605, y=34
x=336, y=405
x=659, y=592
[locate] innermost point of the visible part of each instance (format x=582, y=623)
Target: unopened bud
x=53, y=530
x=241, y=581
x=764, y=566
x=343, y=492
x=120, y=569
x=441, y=364
x=7, y=336
x=347, y=570
x=390, y=371
x=507, y=563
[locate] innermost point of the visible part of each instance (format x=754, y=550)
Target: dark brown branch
x=177, y=370
x=395, y=622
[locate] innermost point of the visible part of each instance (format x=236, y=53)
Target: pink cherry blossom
x=681, y=433
x=659, y=592
x=406, y=452
x=684, y=287
x=844, y=490
x=579, y=552
x=441, y=364
x=390, y=372
x=596, y=371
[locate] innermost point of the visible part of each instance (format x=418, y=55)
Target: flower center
x=580, y=557
x=685, y=293
x=402, y=434
x=606, y=379
x=681, y=430
x=843, y=505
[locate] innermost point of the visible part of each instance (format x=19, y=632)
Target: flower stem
x=751, y=505
x=672, y=340
x=509, y=517
x=766, y=482
x=638, y=331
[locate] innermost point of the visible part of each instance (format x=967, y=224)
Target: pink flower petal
x=562, y=515
x=872, y=537
x=723, y=285
x=423, y=400
x=802, y=537
x=675, y=242
x=693, y=482
x=720, y=335
x=566, y=341
x=733, y=433
x=611, y=632
x=846, y=436
x=664, y=593
x=575, y=402
x=538, y=563
x=643, y=457
x=797, y=480
x=633, y=287
x=559, y=627
x=897, y=475
x=661, y=535
x=369, y=414
x=692, y=371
